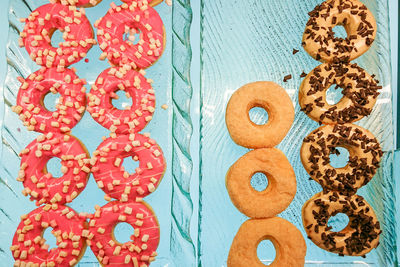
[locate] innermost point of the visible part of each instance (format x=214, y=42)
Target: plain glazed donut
x=120, y=20
x=69, y=109
x=281, y=183
x=365, y=155
x=79, y=3
x=274, y=100
x=132, y=119
x=359, y=237
x=111, y=176
x=29, y=247
x=140, y=251
x=287, y=239
x=360, y=92
x=43, y=22
x=41, y=185
x=319, y=38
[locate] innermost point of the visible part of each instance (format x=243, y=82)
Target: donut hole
x=132, y=35
x=56, y=37
x=258, y=115
x=121, y=100
x=334, y=94
x=340, y=32
x=130, y=164
x=122, y=232
x=339, y=157
x=338, y=222
x=53, y=166
x=259, y=181
x=51, y=100
x=50, y=238
x=266, y=252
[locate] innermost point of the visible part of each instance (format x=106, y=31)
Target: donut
x=147, y=2
x=133, y=118
x=69, y=109
x=319, y=38
x=110, y=175
x=29, y=248
x=39, y=184
x=281, y=183
x=359, y=237
x=274, y=100
x=364, y=159
x=140, y=251
x=360, y=92
x=43, y=22
x=133, y=18
x=287, y=239
x=79, y=3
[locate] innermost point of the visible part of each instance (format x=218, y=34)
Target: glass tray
x=247, y=41
x=241, y=42
x=171, y=129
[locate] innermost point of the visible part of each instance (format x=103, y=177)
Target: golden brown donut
x=365, y=155
x=287, y=239
x=360, y=92
x=274, y=100
x=319, y=38
x=281, y=183
x=359, y=237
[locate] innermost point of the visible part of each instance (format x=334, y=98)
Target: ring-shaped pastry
x=39, y=184
x=365, y=155
x=29, y=248
x=319, y=38
x=281, y=187
x=43, y=22
x=140, y=250
x=287, y=239
x=274, y=100
x=360, y=92
x=359, y=237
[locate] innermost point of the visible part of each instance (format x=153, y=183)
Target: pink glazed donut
x=111, y=176
x=29, y=247
x=43, y=22
x=140, y=251
x=136, y=86
x=41, y=185
x=120, y=20
x=70, y=107
x=79, y=3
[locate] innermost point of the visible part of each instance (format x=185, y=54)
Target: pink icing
x=140, y=251
x=119, y=121
x=109, y=172
x=79, y=3
x=39, y=27
x=117, y=21
x=39, y=184
x=28, y=245
x=71, y=104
